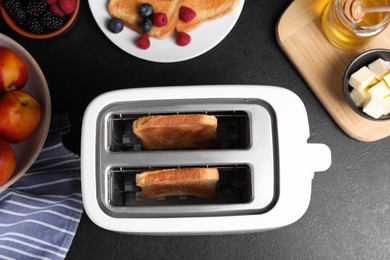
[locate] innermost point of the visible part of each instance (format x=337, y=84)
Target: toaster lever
x=318, y=157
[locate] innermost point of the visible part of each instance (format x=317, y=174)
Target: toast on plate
x=205, y=10
x=128, y=12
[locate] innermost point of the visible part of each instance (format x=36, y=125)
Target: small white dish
x=203, y=38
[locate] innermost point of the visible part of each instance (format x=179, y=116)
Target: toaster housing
x=265, y=163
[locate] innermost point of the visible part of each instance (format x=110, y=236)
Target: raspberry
x=143, y=41
x=67, y=6
x=186, y=14
x=55, y=9
x=51, y=2
x=183, y=39
x=160, y=19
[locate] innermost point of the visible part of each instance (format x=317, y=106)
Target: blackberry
x=34, y=26
x=15, y=10
x=35, y=8
x=51, y=21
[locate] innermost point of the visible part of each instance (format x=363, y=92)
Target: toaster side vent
x=234, y=186
x=232, y=131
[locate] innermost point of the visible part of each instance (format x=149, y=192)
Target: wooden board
x=322, y=65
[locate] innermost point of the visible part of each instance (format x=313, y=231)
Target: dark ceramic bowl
x=363, y=60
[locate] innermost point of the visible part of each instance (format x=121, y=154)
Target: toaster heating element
x=265, y=164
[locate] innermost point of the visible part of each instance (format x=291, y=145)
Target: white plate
x=203, y=38
x=27, y=151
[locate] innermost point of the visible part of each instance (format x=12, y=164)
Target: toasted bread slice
x=205, y=10
x=199, y=182
x=128, y=12
x=170, y=132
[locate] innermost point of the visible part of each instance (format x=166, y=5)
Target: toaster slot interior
x=232, y=131
x=234, y=186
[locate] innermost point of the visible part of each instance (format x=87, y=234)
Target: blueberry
x=115, y=25
x=146, y=10
x=146, y=25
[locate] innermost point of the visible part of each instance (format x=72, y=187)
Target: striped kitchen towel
x=40, y=213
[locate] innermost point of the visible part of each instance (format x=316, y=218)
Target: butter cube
x=386, y=101
x=359, y=97
x=374, y=108
x=379, y=67
x=386, y=79
x=379, y=90
x=362, y=78
x=373, y=82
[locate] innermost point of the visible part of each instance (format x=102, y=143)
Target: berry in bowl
x=366, y=84
x=40, y=19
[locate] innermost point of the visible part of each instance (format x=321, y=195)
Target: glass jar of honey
x=345, y=32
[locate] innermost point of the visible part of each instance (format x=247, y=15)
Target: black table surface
x=349, y=212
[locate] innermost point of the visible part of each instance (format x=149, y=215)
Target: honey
x=345, y=33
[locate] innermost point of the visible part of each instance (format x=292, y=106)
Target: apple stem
x=11, y=87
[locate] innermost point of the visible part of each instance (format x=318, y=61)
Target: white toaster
x=265, y=163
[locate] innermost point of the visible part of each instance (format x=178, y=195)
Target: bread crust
x=199, y=182
x=170, y=132
x=205, y=10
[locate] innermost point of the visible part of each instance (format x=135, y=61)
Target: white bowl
x=28, y=150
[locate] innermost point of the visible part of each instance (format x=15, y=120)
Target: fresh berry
x=55, y=9
x=146, y=10
x=146, y=25
x=115, y=25
x=35, y=8
x=160, y=19
x=67, y=6
x=183, y=39
x=143, y=41
x=51, y=2
x=51, y=21
x=36, y=16
x=15, y=10
x=186, y=14
x=34, y=26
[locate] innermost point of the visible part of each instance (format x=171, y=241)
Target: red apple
x=7, y=161
x=13, y=70
x=20, y=114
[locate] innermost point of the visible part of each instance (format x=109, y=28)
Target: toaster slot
x=246, y=155
x=232, y=131
x=234, y=186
